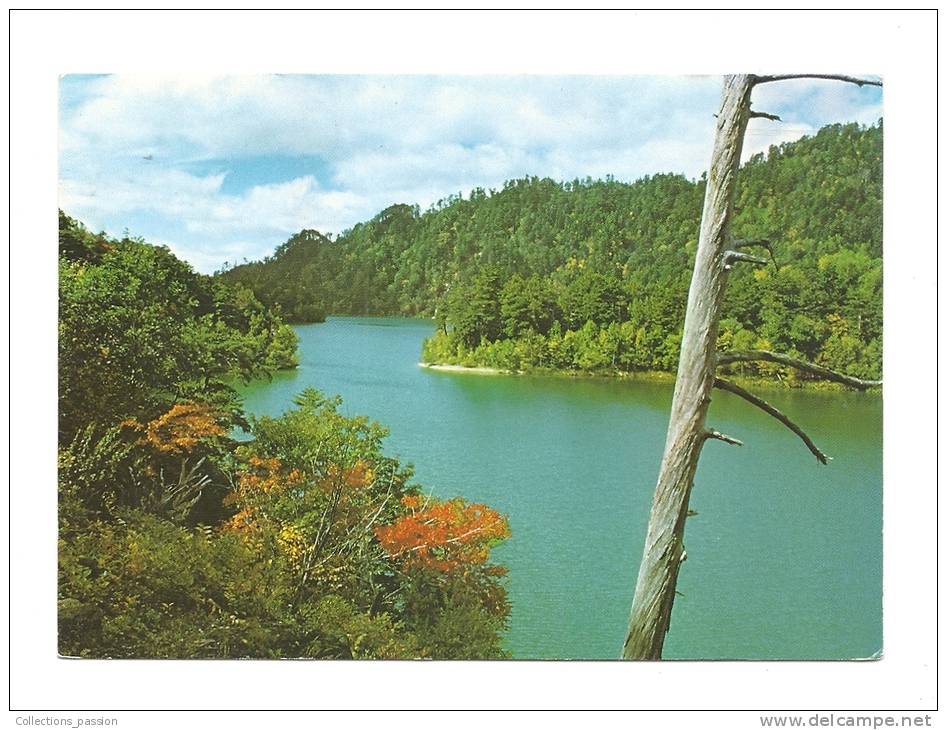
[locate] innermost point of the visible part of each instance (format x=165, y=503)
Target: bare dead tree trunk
x=664, y=547
x=687, y=431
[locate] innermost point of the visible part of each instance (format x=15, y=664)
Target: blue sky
x=226, y=168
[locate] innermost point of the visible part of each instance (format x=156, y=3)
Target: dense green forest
x=178, y=540
x=592, y=275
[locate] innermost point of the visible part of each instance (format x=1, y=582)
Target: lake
x=784, y=555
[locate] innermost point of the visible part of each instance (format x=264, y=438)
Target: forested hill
x=611, y=253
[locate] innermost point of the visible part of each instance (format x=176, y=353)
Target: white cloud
x=270, y=212
x=805, y=105
x=130, y=145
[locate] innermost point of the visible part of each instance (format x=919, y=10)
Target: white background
x=898, y=45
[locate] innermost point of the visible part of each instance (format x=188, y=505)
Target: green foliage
x=140, y=330
x=281, y=353
x=474, y=309
x=517, y=262
x=592, y=297
x=292, y=281
x=175, y=467
x=177, y=541
x=527, y=306
x=141, y=586
x=295, y=568
x=76, y=243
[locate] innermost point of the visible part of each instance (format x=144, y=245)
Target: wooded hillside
x=511, y=273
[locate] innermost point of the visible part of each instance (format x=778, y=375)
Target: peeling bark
x=664, y=544
x=657, y=577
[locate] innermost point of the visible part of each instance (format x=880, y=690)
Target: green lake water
x=784, y=557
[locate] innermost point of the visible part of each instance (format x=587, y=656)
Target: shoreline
x=471, y=370
x=653, y=376
x=649, y=375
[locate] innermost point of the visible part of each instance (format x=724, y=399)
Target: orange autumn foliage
x=179, y=430
x=241, y=522
x=265, y=479
x=266, y=476
x=443, y=535
x=357, y=476
x=262, y=477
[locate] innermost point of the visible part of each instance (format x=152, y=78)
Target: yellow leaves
x=276, y=504
x=838, y=325
x=261, y=481
x=136, y=557
x=292, y=542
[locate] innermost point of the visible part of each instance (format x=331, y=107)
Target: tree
x=320, y=546
x=526, y=305
x=474, y=308
x=593, y=297
x=717, y=253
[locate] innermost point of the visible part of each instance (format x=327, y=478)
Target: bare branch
x=775, y=413
x=741, y=243
x=828, y=77
x=732, y=257
x=725, y=358
x=764, y=115
x=713, y=434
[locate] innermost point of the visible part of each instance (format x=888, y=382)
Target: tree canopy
x=592, y=274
